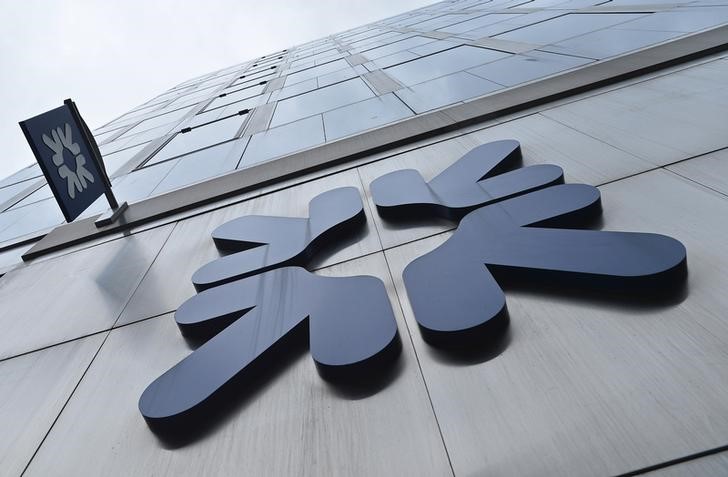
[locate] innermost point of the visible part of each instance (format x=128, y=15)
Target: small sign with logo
x=69, y=158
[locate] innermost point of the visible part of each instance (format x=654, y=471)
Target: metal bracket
x=110, y=217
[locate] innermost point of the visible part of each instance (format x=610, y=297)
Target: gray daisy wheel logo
x=59, y=140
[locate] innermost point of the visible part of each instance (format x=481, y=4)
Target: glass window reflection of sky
x=443, y=63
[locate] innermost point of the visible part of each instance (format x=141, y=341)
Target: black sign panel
x=67, y=154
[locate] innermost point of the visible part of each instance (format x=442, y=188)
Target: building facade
x=628, y=97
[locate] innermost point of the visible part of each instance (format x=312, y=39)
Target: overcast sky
x=112, y=55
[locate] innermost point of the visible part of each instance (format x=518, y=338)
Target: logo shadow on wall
x=259, y=308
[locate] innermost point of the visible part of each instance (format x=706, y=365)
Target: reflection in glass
x=364, y=115
x=234, y=97
x=320, y=100
x=315, y=71
x=40, y=194
x=22, y=175
x=201, y=165
x=443, y=63
x=684, y=21
x=298, y=88
x=446, y=90
x=401, y=45
x=33, y=218
x=566, y=26
x=478, y=22
x=526, y=67
x=284, y=140
x=610, y=42
x=200, y=137
x=9, y=193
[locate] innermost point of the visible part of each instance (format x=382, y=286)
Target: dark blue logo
x=527, y=238
x=515, y=224
x=66, y=152
x=349, y=321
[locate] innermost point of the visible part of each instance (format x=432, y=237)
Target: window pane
x=326, y=68
x=133, y=187
x=406, y=44
x=140, y=138
x=443, y=63
x=395, y=59
x=201, y=165
x=522, y=68
x=284, y=140
x=33, y=218
x=163, y=119
x=320, y=100
x=446, y=90
x=336, y=77
x=364, y=115
x=435, y=47
x=250, y=80
x=610, y=42
x=225, y=106
x=512, y=23
x=22, y=175
x=9, y=192
x=200, y=137
x=252, y=94
x=298, y=88
x=113, y=162
x=40, y=194
x=686, y=21
x=478, y=22
x=566, y=26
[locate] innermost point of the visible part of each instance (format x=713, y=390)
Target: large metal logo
x=515, y=224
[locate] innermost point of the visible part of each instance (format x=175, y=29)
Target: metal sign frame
x=94, y=157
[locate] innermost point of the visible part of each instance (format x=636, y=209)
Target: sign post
x=71, y=162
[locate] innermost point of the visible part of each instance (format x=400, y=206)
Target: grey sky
x=110, y=56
